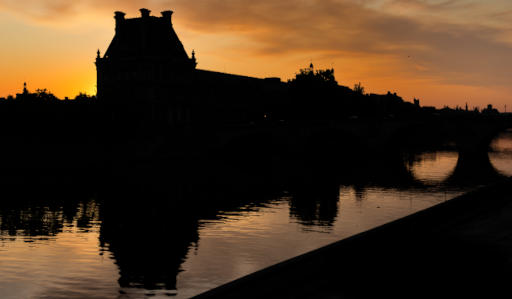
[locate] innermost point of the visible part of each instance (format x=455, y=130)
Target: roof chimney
x=119, y=16
x=144, y=12
x=167, y=14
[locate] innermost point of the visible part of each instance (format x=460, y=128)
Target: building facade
x=146, y=65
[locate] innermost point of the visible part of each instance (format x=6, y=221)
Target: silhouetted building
x=24, y=94
x=490, y=110
x=145, y=59
x=146, y=64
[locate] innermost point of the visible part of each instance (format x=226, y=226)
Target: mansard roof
x=146, y=37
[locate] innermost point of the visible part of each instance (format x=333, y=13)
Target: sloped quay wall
x=460, y=248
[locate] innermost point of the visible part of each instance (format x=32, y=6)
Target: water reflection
x=501, y=153
x=473, y=168
x=49, y=245
x=43, y=212
x=433, y=168
x=386, y=169
x=149, y=236
x=315, y=205
x=204, y=225
x=453, y=169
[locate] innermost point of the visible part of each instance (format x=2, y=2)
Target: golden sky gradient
x=445, y=52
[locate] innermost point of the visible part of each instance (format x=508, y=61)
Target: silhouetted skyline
x=410, y=48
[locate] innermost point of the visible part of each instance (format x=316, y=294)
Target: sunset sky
x=445, y=52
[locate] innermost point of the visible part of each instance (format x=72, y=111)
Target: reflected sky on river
x=501, y=153
x=434, y=167
x=111, y=244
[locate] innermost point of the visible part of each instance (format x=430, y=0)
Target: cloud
x=448, y=52
x=420, y=38
x=58, y=10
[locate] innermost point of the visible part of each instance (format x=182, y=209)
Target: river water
x=78, y=245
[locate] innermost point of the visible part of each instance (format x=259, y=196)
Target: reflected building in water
x=315, y=204
x=149, y=240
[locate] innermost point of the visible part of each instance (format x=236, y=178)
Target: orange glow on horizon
x=437, y=60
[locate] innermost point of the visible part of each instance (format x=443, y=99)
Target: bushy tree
x=358, y=88
x=84, y=97
x=309, y=77
x=314, y=95
x=45, y=95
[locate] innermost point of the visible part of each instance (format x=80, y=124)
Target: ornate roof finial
x=98, y=56
x=167, y=14
x=25, y=90
x=144, y=12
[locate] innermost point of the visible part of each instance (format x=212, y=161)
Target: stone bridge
x=467, y=135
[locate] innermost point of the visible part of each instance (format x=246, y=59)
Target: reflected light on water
x=501, y=153
x=240, y=243
x=68, y=265
x=434, y=167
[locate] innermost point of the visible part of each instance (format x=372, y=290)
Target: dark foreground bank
x=460, y=248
